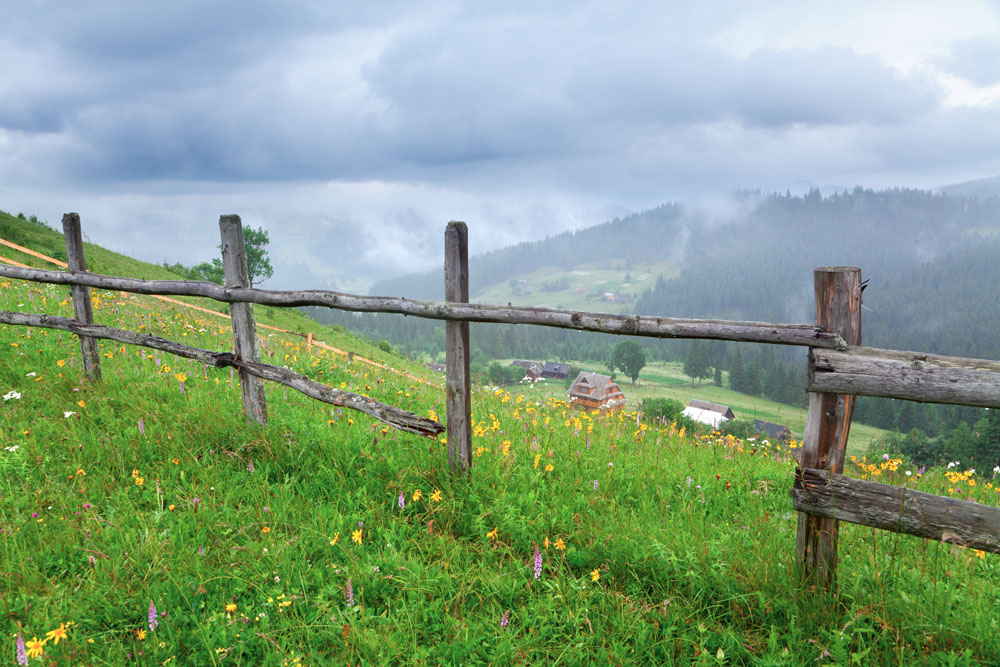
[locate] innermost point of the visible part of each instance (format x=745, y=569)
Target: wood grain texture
x=395, y=417
x=909, y=375
x=458, y=390
x=234, y=261
x=897, y=509
x=82, y=308
x=828, y=422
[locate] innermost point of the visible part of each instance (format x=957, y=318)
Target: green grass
x=691, y=538
x=584, y=286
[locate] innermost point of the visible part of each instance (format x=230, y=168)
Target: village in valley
x=590, y=390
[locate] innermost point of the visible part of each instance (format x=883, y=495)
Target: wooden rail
x=401, y=419
x=630, y=325
x=897, y=509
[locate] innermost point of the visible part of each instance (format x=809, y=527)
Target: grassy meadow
x=143, y=522
x=581, y=288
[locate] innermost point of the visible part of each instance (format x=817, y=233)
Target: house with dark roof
x=778, y=432
x=556, y=371
x=711, y=414
x=593, y=391
x=532, y=369
x=724, y=410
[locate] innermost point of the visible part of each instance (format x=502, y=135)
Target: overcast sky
x=353, y=131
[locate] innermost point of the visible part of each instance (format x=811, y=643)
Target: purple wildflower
x=196, y=502
x=689, y=481
x=153, y=623
x=538, y=563
x=588, y=441
x=142, y=429
x=402, y=501
x=349, y=592
x=250, y=467
x=505, y=619
x=534, y=443
x=595, y=485
x=201, y=551
x=22, y=654
x=182, y=386
x=885, y=457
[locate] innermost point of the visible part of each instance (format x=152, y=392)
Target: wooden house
x=778, y=432
x=555, y=371
x=592, y=391
x=532, y=369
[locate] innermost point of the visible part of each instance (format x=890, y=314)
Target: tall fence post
x=828, y=423
x=82, y=309
x=458, y=396
x=234, y=262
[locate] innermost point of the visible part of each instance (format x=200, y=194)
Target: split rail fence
x=839, y=369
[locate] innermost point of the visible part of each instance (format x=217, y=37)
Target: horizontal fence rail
x=913, y=376
x=897, y=509
x=631, y=325
x=401, y=419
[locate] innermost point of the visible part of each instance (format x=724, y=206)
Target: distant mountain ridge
x=980, y=187
x=753, y=259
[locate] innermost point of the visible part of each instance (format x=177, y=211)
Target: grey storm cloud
x=208, y=92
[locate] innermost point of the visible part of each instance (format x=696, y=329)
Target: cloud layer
x=372, y=124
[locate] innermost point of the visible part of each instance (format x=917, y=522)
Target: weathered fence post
x=458, y=396
x=234, y=261
x=82, y=310
x=838, y=309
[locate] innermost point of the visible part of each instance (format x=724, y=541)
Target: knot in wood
x=630, y=325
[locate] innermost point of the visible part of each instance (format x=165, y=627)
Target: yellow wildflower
x=559, y=544
x=492, y=534
x=595, y=575
x=336, y=536
x=549, y=468
x=436, y=496
x=417, y=495
x=57, y=634
x=356, y=536
x=35, y=647
x=231, y=608
x=140, y=634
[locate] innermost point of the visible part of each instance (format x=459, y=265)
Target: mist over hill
x=933, y=261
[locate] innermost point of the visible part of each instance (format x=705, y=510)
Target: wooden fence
x=839, y=369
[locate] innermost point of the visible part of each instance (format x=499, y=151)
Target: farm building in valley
x=711, y=414
x=556, y=371
x=532, y=369
x=778, y=432
x=592, y=391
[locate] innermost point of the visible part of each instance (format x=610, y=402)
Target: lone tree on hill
x=696, y=364
x=629, y=358
x=258, y=263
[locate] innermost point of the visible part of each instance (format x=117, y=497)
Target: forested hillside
x=933, y=261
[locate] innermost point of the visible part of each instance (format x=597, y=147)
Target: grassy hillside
x=142, y=521
x=47, y=241
x=580, y=288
